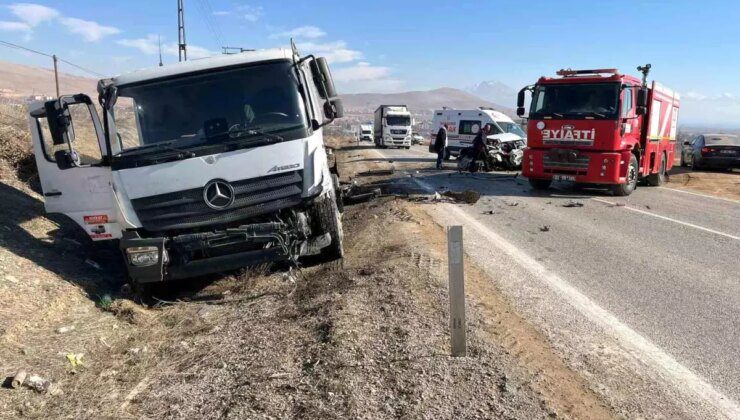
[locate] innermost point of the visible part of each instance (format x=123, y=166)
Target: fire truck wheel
x=627, y=188
x=658, y=179
x=540, y=184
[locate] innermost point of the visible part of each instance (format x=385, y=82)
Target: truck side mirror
x=333, y=108
x=642, y=97
x=66, y=159
x=322, y=78
x=520, y=103
x=59, y=119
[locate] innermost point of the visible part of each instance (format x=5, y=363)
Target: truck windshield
x=398, y=120
x=576, y=101
x=512, y=128
x=365, y=131
x=210, y=108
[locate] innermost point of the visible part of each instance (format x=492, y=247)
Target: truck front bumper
x=576, y=165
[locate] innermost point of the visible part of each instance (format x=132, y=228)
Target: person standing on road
x=440, y=144
x=479, y=145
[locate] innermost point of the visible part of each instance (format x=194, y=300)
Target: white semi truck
x=224, y=166
x=392, y=126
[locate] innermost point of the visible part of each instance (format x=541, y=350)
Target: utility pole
x=182, y=46
x=159, y=41
x=56, y=73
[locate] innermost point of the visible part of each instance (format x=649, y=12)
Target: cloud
x=250, y=13
x=90, y=31
x=222, y=13
x=33, y=14
x=363, y=77
x=150, y=46
x=335, y=52
x=713, y=109
x=15, y=27
x=302, y=32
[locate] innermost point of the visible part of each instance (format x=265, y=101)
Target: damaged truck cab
x=599, y=127
x=207, y=165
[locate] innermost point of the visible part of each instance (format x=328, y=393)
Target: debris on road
x=378, y=172
x=545, y=228
x=573, y=204
x=512, y=203
x=352, y=193
x=34, y=382
x=467, y=196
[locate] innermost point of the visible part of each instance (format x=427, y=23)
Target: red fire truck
x=599, y=127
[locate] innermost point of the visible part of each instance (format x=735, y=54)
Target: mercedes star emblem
x=218, y=194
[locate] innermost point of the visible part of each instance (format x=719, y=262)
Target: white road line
x=701, y=195
x=637, y=345
x=680, y=222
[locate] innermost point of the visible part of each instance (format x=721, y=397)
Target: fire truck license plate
x=564, y=177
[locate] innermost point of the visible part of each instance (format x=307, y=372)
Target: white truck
x=366, y=132
x=392, y=126
x=464, y=124
x=223, y=165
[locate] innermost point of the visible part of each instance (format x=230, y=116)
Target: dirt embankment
x=366, y=340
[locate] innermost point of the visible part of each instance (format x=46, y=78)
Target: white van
x=464, y=124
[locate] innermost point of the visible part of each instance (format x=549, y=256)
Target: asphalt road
x=658, y=271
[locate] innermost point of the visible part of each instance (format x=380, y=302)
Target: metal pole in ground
x=457, y=290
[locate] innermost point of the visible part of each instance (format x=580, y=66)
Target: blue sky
x=381, y=45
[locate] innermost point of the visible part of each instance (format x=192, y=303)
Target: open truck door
x=69, y=146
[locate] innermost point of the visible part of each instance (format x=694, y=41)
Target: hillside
x=19, y=80
x=418, y=101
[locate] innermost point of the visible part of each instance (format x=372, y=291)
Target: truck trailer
x=599, y=127
x=392, y=126
x=223, y=165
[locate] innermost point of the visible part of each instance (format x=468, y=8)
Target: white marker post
x=457, y=290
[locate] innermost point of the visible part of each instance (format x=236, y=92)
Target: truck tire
x=625, y=189
x=327, y=219
x=658, y=179
x=144, y=292
x=540, y=184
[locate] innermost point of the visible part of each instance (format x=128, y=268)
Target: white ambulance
x=464, y=124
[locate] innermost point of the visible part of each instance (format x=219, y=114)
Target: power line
x=11, y=45
x=209, y=22
x=20, y=47
x=81, y=68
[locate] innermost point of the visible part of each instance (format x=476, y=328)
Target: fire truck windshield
x=576, y=101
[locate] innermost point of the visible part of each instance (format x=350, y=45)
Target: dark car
x=719, y=151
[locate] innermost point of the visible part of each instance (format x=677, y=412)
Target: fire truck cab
x=599, y=127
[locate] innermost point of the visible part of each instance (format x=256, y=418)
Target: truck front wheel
x=327, y=220
x=658, y=179
x=540, y=184
x=629, y=186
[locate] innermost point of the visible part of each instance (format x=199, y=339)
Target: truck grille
x=188, y=209
x=565, y=161
x=401, y=132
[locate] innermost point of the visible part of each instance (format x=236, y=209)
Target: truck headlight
x=143, y=256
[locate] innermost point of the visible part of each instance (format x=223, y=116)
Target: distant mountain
x=421, y=102
x=18, y=80
x=495, y=92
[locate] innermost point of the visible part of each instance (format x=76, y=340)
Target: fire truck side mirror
x=642, y=97
x=641, y=110
x=520, y=111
